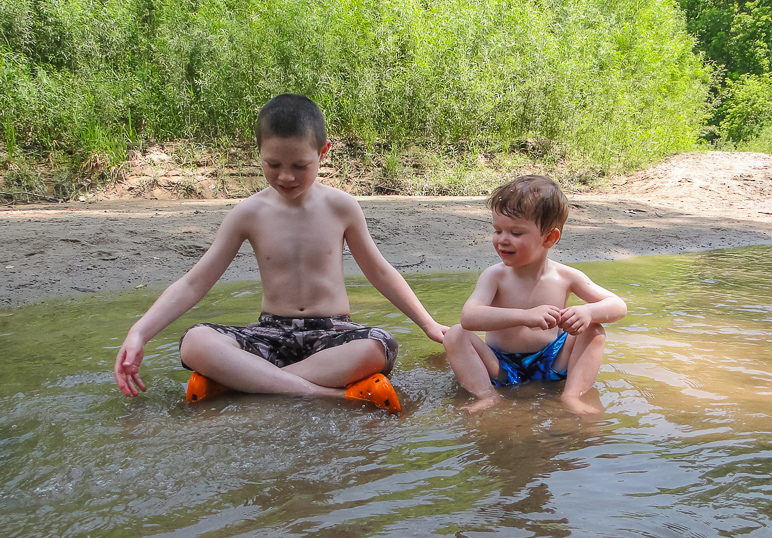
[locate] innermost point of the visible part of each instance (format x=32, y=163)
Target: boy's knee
x=455, y=335
x=197, y=339
x=374, y=349
x=379, y=357
x=385, y=346
x=594, y=332
x=194, y=337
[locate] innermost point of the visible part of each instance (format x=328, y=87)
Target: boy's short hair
x=289, y=115
x=531, y=197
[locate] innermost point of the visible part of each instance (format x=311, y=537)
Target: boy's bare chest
x=296, y=238
x=518, y=294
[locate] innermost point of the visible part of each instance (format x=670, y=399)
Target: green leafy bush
x=747, y=110
x=614, y=84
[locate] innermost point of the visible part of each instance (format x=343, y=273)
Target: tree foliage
x=734, y=33
x=737, y=36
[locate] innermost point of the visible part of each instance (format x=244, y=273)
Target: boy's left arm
x=601, y=305
x=385, y=278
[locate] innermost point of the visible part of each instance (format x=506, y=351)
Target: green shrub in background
x=747, y=110
x=613, y=85
x=737, y=36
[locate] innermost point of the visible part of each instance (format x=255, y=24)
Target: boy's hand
x=575, y=319
x=436, y=332
x=127, y=367
x=544, y=317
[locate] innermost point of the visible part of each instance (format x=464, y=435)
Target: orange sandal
x=200, y=387
x=376, y=389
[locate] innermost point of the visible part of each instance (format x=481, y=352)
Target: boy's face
x=290, y=164
x=519, y=241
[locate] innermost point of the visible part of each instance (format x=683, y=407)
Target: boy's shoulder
x=334, y=194
x=564, y=269
x=319, y=193
x=342, y=204
x=495, y=275
x=495, y=270
x=501, y=271
x=326, y=203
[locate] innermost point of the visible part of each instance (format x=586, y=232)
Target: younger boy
x=520, y=303
x=304, y=342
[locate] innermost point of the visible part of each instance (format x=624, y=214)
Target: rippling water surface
x=683, y=449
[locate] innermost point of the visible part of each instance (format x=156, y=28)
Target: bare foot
x=482, y=403
x=587, y=404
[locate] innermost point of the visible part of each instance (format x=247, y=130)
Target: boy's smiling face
x=290, y=164
x=519, y=241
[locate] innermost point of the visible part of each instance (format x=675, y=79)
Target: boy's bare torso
x=299, y=250
x=550, y=286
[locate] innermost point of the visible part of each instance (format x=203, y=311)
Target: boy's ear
x=325, y=149
x=551, y=238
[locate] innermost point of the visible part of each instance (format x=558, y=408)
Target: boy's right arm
x=178, y=298
x=479, y=315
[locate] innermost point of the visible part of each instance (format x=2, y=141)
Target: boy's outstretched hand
x=436, y=332
x=127, y=367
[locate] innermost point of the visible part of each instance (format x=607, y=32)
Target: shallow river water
x=684, y=447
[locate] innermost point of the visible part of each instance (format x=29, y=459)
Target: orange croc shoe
x=376, y=389
x=200, y=387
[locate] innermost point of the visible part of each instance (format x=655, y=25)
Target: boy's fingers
x=141, y=384
x=125, y=387
x=121, y=386
x=134, y=391
x=138, y=382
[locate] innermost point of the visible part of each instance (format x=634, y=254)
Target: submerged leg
x=474, y=365
x=582, y=356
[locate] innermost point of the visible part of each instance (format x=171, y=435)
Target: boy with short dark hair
x=520, y=303
x=304, y=342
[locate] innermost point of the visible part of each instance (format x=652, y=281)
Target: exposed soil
x=690, y=202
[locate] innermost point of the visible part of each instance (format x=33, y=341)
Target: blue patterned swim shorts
x=521, y=367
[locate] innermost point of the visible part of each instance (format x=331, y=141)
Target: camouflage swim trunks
x=284, y=340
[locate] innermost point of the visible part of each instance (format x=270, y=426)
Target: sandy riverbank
x=690, y=202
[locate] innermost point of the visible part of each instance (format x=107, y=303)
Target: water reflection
x=683, y=448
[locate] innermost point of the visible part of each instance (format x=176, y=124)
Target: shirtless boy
x=304, y=342
x=520, y=303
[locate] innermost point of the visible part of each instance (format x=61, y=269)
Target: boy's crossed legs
x=305, y=356
x=221, y=358
x=476, y=366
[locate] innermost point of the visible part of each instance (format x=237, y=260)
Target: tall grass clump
x=613, y=85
